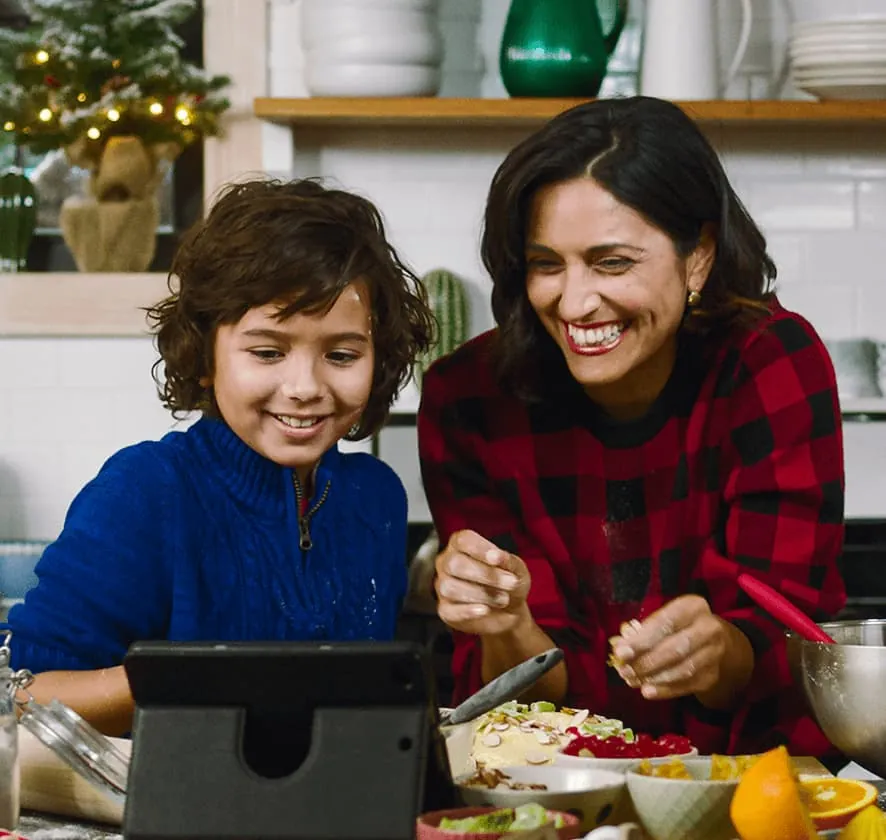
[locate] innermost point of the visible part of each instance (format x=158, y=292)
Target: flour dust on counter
x=44, y=827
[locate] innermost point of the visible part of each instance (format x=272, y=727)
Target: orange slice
x=768, y=803
x=868, y=824
x=833, y=802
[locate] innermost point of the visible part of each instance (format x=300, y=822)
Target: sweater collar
x=254, y=480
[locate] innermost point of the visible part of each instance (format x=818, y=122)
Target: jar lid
x=79, y=745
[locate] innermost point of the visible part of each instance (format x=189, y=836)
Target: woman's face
x=291, y=389
x=610, y=289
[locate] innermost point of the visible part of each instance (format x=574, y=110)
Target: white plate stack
x=371, y=47
x=840, y=59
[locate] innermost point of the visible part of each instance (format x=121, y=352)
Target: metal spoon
x=505, y=687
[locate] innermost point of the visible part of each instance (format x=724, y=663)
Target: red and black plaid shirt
x=737, y=467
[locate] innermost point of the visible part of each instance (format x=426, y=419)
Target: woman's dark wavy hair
x=651, y=156
x=300, y=244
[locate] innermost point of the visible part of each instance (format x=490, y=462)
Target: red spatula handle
x=781, y=608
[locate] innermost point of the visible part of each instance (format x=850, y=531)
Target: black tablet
x=283, y=739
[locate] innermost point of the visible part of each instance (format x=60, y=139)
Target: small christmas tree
x=85, y=71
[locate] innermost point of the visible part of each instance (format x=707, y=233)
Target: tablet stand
x=296, y=741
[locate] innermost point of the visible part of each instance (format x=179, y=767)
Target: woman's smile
x=594, y=339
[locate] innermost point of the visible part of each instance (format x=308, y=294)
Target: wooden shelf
x=77, y=304
x=436, y=111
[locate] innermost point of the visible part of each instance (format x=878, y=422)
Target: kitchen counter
x=36, y=826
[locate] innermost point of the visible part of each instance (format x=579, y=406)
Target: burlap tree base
x=110, y=235
x=115, y=227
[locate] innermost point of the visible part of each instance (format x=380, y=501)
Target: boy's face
x=291, y=389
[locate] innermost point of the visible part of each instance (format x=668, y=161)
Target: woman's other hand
x=684, y=649
x=481, y=589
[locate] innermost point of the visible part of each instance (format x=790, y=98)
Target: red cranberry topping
x=643, y=746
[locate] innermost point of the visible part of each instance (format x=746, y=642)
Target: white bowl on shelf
x=845, y=89
x=863, y=25
x=875, y=58
x=839, y=74
x=323, y=24
x=823, y=11
x=847, y=48
x=870, y=35
x=372, y=79
x=422, y=47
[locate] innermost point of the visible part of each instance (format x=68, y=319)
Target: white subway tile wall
x=819, y=194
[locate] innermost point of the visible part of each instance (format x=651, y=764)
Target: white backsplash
x=819, y=194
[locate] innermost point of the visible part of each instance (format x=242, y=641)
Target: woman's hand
x=684, y=649
x=481, y=589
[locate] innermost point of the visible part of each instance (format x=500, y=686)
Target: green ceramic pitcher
x=559, y=47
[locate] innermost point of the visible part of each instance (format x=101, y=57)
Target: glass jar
x=9, y=768
x=83, y=748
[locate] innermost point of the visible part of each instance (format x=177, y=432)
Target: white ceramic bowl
x=372, y=79
x=843, y=23
x=614, y=765
x=425, y=47
x=861, y=75
x=684, y=809
x=861, y=88
x=325, y=24
x=591, y=795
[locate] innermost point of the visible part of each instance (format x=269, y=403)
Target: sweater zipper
x=304, y=522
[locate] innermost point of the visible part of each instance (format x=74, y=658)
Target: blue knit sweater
x=195, y=537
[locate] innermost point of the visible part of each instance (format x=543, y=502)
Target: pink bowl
x=427, y=825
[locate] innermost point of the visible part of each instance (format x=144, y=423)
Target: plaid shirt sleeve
x=784, y=488
x=462, y=495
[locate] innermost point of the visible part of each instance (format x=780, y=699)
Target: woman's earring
x=352, y=432
x=694, y=298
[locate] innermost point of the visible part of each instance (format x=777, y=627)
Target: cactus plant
x=449, y=302
x=18, y=218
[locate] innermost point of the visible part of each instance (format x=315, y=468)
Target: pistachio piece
x=536, y=758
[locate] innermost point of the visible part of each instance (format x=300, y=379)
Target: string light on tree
x=93, y=133
x=45, y=115
x=9, y=126
x=120, y=72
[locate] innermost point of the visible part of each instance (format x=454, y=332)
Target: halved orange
x=833, y=802
x=768, y=804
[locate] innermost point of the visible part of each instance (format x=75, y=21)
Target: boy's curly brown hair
x=294, y=242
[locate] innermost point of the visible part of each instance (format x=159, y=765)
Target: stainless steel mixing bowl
x=845, y=687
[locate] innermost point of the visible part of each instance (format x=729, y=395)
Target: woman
x=293, y=326
x=645, y=424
